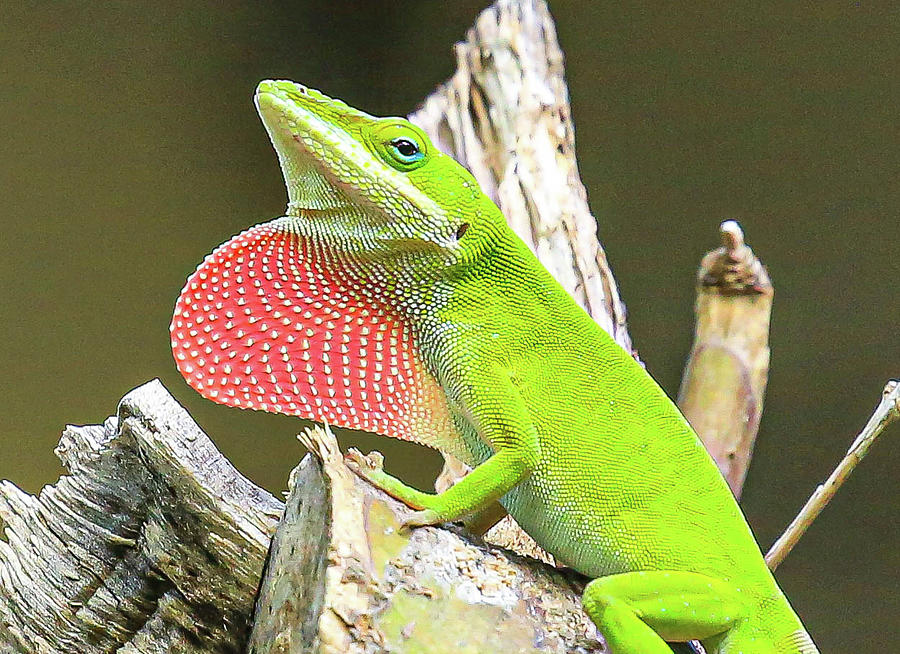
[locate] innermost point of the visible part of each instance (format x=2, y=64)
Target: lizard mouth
x=313, y=150
x=338, y=187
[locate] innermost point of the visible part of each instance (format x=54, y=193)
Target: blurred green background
x=130, y=148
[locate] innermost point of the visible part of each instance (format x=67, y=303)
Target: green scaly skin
x=561, y=425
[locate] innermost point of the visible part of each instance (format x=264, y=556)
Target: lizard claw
x=360, y=463
x=367, y=466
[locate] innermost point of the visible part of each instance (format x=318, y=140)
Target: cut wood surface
x=343, y=577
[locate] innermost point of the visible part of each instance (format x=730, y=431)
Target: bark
x=152, y=542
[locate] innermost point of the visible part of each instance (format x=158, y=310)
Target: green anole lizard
x=393, y=297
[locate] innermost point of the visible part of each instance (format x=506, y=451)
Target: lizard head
x=374, y=188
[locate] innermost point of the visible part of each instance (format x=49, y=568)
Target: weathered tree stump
x=154, y=542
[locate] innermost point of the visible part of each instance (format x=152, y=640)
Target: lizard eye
x=405, y=149
x=399, y=144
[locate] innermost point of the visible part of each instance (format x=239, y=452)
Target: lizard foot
x=363, y=464
x=422, y=518
x=370, y=467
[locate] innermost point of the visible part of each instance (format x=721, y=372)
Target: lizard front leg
x=475, y=492
x=499, y=416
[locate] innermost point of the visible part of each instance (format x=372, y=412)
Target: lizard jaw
x=330, y=167
x=301, y=137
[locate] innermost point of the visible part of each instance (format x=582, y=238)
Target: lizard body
x=394, y=298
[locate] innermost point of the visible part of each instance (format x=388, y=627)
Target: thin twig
x=887, y=411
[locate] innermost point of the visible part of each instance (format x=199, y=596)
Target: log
x=153, y=542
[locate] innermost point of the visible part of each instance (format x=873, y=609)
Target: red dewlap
x=260, y=326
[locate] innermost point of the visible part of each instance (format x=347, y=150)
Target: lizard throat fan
x=260, y=325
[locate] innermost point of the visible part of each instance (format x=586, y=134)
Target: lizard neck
x=491, y=306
